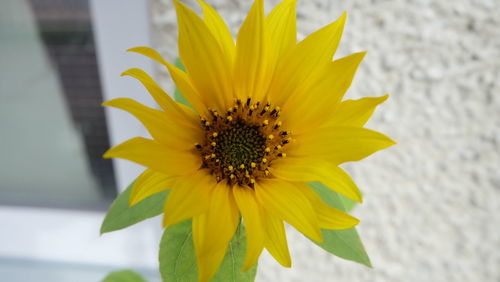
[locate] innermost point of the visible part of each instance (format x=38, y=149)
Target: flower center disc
x=241, y=144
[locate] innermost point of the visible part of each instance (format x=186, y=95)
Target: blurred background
x=432, y=202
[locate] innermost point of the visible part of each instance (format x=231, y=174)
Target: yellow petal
x=317, y=170
x=275, y=240
x=252, y=73
x=156, y=156
x=340, y=144
x=207, y=66
x=221, y=220
x=159, y=124
x=150, y=183
x=355, y=112
x=208, y=264
x=328, y=217
x=249, y=208
x=306, y=59
x=149, y=52
x=288, y=203
x=219, y=30
x=175, y=110
x=324, y=93
x=179, y=77
x=151, y=118
x=282, y=28
x=189, y=197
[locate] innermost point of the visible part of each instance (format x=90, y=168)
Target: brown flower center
x=241, y=144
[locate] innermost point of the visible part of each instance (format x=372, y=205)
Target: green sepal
x=123, y=276
x=178, y=259
x=121, y=215
x=342, y=243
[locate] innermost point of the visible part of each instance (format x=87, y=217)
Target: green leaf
x=120, y=215
x=177, y=94
x=346, y=202
x=342, y=243
x=178, y=63
x=178, y=260
x=333, y=198
x=123, y=276
x=230, y=269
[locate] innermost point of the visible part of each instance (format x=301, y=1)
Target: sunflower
x=267, y=117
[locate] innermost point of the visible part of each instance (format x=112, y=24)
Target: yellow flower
x=268, y=118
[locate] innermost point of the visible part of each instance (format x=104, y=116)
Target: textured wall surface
x=432, y=202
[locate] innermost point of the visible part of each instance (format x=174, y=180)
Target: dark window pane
x=53, y=129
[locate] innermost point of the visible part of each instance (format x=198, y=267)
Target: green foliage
x=346, y=202
x=178, y=260
x=120, y=215
x=342, y=243
x=177, y=94
x=123, y=276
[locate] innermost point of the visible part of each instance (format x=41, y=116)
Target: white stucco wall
x=432, y=203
